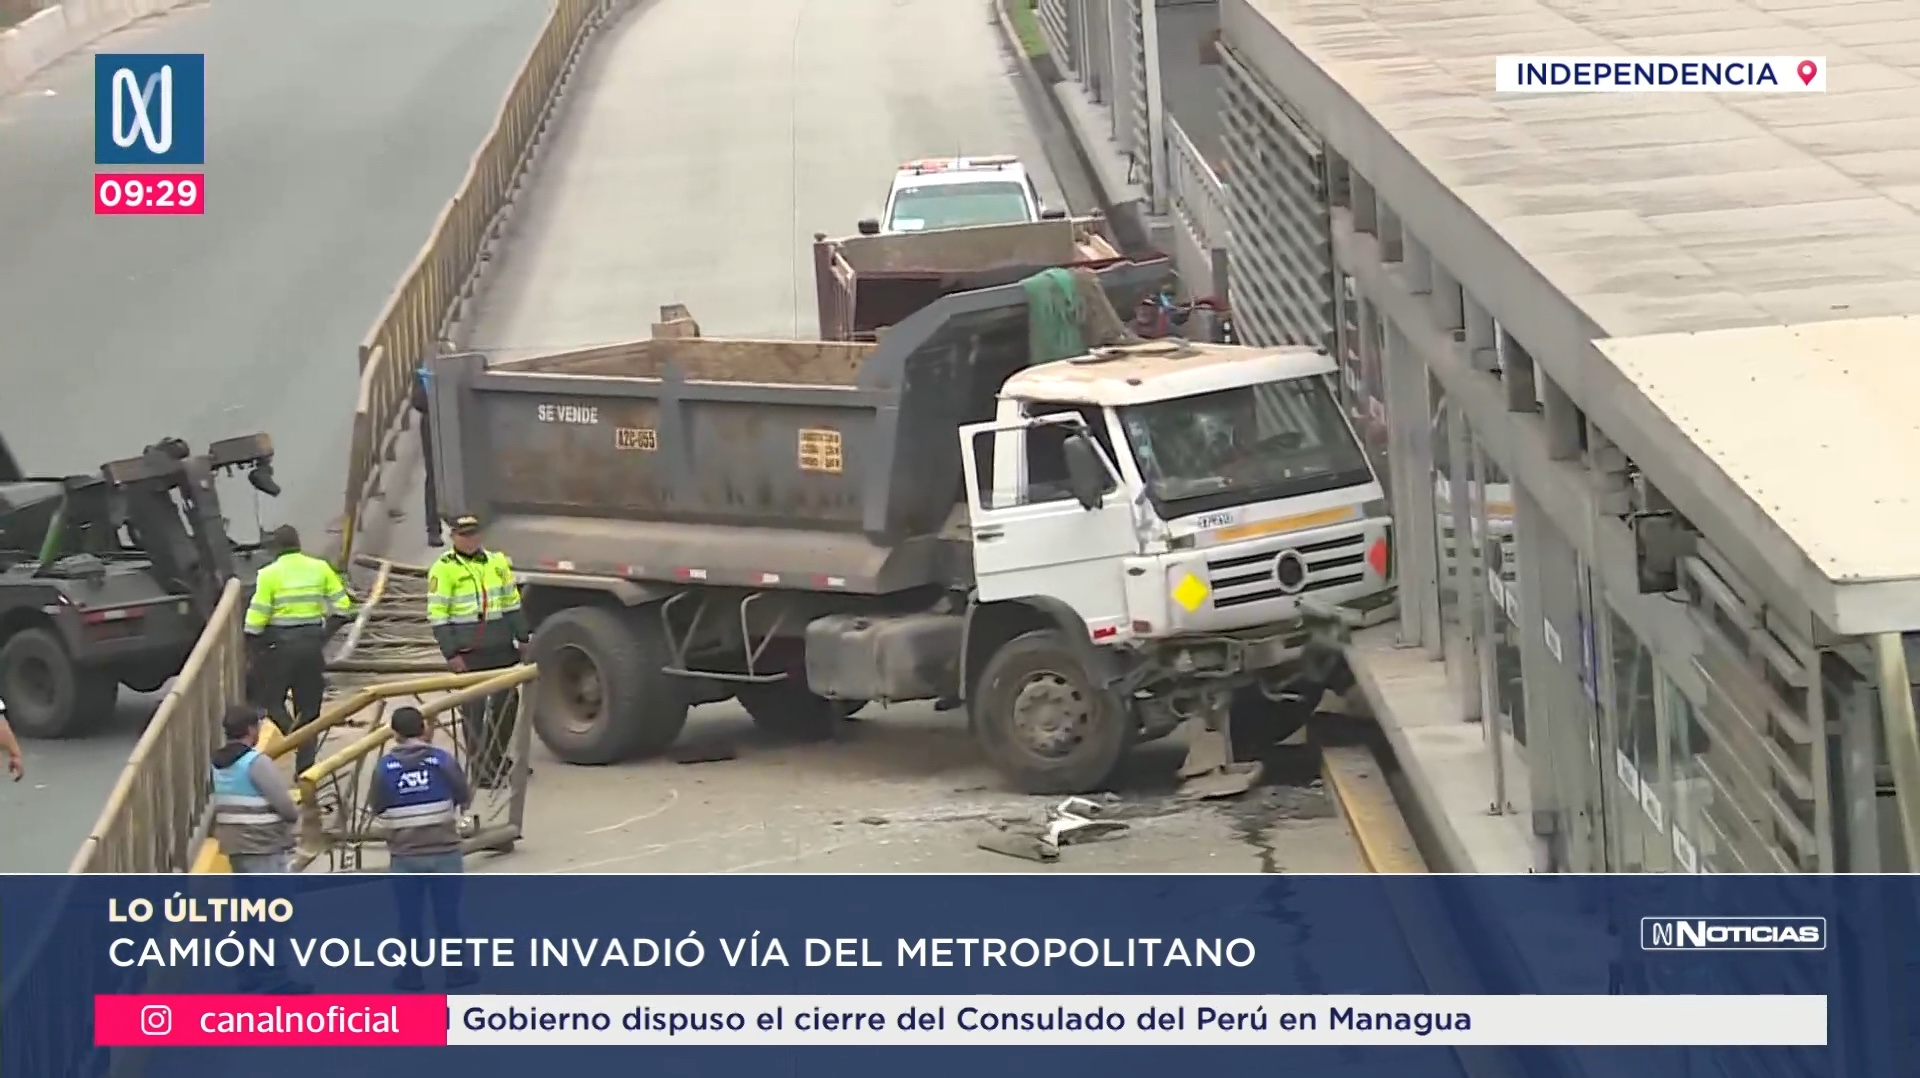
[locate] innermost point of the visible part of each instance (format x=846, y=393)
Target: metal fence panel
x=1056, y=19
x=1130, y=95
x=1198, y=200
x=1277, y=214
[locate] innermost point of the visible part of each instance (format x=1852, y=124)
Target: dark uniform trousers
x=490, y=721
x=292, y=662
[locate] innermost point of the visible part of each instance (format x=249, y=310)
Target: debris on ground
x=1076, y=819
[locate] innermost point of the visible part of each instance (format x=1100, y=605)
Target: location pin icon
x=1807, y=70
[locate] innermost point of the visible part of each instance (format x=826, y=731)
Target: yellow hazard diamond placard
x=1191, y=592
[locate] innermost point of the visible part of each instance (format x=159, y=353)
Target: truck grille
x=1255, y=578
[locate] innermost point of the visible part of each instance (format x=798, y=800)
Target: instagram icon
x=156, y=1020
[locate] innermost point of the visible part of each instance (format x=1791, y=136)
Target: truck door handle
x=987, y=535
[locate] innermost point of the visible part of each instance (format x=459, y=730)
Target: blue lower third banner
x=1548, y=976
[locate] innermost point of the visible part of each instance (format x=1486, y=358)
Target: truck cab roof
x=1161, y=370
x=960, y=192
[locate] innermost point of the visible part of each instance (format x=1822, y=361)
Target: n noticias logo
x=143, y=101
x=149, y=108
x=1733, y=933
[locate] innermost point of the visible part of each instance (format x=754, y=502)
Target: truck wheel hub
x=579, y=679
x=1050, y=715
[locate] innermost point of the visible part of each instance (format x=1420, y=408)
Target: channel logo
x=1733, y=933
x=149, y=108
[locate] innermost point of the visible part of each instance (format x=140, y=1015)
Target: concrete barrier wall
x=66, y=28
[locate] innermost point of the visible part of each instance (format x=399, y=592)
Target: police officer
x=418, y=792
x=473, y=605
x=298, y=601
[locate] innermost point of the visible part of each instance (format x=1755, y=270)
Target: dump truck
x=1083, y=554
x=866, y=283
x=108, y=578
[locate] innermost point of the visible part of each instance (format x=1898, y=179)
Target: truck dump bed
x=776, y=464
x=867, y=283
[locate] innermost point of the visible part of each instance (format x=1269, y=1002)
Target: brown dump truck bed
x=867, y=283
x=791, y=464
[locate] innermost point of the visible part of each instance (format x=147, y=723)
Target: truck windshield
x=1248, y=444
x=958, y=205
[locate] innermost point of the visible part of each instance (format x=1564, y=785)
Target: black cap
x=240, y=720
x=466, y=525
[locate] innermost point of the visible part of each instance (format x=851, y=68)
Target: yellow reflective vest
x=295, y=591
x=473, y=602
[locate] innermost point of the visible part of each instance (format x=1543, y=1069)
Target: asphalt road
x=695, y=161
x=336, y=131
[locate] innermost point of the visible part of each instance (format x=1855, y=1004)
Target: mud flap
x=1210, y=771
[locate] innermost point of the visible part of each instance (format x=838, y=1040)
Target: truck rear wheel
x=1042, y=722
x=602, y=697
x=46, y=695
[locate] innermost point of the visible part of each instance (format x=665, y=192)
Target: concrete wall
x=27, y=48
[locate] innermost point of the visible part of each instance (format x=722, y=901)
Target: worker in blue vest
x=422, y=392
x=418, y=794
x=298, y=602
x=253, y=817
x=253, y=809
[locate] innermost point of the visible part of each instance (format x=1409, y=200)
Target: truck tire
x=602, y=697
x=46, y=695
x=1259, y=723
x=1041, y=721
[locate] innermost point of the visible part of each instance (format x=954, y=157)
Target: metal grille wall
x=1281, y=250
x=1131, y=104
x=1758, y=765
x=1056, y=22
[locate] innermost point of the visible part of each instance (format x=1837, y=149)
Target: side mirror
x=869, y=226
x=1086, y=474
x=1053, y=213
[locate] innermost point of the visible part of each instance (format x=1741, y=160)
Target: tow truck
x=960, y=192
x=107, y=579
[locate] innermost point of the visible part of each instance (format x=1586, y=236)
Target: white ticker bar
x=1136, y=1020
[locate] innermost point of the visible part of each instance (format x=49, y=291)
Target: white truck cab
x=959, y=192
x=1194, y=504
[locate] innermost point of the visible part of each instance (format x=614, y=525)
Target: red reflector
x=1142, y=626
x=1103, y=633
x=124, y=613
x=1378, y=556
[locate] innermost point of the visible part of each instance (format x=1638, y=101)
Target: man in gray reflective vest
x=253, y=814
x=253, y=809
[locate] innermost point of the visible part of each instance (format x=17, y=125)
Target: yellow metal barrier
x=152, y=817
x=427, y=299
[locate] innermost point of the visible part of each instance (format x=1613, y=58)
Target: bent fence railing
x=427, y=300
x=159, y=805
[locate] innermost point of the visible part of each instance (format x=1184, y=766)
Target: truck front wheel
x=47, y=696
x=602, y=696
x=1043, y=723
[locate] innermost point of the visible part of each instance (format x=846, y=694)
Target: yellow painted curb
x=1359, y=787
